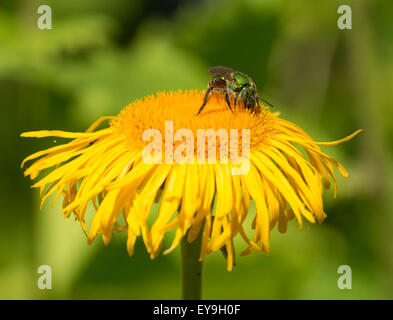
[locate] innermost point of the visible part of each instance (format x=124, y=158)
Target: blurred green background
x=101, y=55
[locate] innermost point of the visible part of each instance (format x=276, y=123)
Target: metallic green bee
x=233, y=84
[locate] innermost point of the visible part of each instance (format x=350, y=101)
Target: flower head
x=106, y=169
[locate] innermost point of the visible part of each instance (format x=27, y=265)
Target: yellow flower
x=106, y=168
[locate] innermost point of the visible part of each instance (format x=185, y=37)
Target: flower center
x=174, y=113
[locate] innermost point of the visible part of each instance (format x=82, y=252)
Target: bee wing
x=221, y=71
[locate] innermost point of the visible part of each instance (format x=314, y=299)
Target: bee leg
x=234, y=102
x=269, y=104
x=227, y=101
x=205, y=99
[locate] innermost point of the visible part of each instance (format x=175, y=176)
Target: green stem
x=191, y=268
